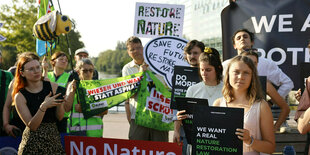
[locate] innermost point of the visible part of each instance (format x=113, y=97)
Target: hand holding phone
x=61, y=90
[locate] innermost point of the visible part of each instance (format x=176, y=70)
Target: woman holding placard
x=77, y=124
x=242, y=90
x=271, y=91
x=210, y=70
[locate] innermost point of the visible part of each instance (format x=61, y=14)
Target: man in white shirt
x=137, y=132
x=243, y=40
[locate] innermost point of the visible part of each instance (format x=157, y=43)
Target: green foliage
x=74, y=43
x=18, y=20
x=121, y=45
x=112, y=61
x=8, y=57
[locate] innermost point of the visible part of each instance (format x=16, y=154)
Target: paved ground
x=117, y=126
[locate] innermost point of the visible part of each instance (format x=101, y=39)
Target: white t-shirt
x=132, y=68
x=200, y=90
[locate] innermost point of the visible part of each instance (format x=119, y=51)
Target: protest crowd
x=40, y=103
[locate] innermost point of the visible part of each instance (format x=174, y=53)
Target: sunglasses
x=87, y=70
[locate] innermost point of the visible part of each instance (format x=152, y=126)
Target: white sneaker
x=285, y=128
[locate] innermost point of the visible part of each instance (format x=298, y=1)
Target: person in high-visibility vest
x=59, y=62
x=77, y=125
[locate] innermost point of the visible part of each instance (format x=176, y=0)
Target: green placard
x=97, y=96
x=153, y=107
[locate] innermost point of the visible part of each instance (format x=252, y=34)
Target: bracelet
x=41, y=109
x=249, y=145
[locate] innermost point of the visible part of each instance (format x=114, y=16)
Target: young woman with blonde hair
x=242, y=90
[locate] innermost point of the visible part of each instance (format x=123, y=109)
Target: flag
x=153, y=104
x=96, y=96
x=43, y=9
x=1, y=37
x=42, y=46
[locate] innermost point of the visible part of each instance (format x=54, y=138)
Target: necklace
x=211, y=90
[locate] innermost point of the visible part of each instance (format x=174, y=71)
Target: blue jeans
x=184, y=147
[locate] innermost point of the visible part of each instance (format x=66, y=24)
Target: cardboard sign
x=183, y=78
x=163, y=53
x=214, y=130
x=187, y=104
x=76, y=145
x=154, y=20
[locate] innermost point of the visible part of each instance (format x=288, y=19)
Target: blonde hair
x=254, y=92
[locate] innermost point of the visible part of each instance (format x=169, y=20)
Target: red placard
x=89, y=145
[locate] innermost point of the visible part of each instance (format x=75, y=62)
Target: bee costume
x=51, y=25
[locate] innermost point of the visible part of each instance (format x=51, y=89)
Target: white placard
x=154, y=20
x=162, y=53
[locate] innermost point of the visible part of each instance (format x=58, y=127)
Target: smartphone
x=61, y=90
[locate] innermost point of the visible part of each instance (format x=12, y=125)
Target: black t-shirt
x=34, y=100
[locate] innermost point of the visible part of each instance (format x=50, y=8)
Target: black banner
x=214, y=130
x=187, y=104
x=263, y=83
x=281, y=27
x=183, y=78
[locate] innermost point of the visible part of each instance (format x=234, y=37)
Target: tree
x=112, y=61
x=18, y=22
x=74, y=40
x=17, y=29
x=74, y=43
x=9, y=57
x=121, y=45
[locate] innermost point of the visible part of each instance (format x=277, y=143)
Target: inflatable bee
x=51, y=25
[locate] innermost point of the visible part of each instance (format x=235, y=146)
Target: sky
x=101, y=23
